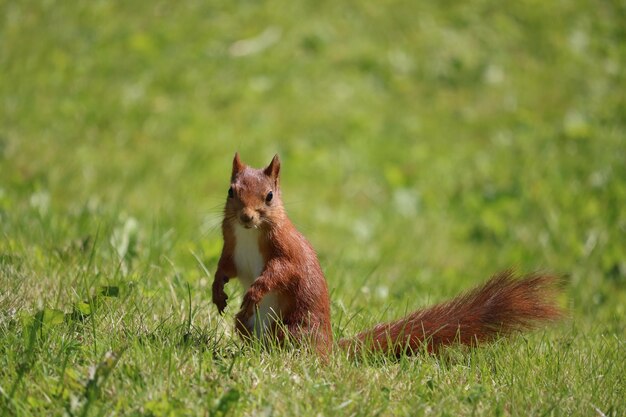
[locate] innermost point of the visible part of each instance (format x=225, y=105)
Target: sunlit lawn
x=425, y=146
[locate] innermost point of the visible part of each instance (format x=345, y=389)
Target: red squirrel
x=286, y=295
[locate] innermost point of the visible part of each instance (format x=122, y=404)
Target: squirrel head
x=254, y=195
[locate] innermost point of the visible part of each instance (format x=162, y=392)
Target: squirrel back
x=286, y=295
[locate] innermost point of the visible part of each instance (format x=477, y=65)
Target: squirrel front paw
x=242, y=323
x=219, y=297
x=249, y=303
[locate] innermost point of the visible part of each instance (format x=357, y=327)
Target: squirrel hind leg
x=310, y=337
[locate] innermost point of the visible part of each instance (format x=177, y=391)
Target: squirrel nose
x=246, y=217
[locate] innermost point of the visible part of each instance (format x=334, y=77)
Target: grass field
x=425, y=146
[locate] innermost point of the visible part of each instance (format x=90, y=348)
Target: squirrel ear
x=237, y=165
x=273, y=169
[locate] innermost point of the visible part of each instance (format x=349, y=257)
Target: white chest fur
x=248, y=257
x=250, y=263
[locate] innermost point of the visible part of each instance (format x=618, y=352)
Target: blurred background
x=425, y=145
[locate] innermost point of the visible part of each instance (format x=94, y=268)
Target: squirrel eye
x=269, y=197
x=231, y=193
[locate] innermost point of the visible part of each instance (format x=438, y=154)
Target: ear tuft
x=238, y=166
x=273, y=169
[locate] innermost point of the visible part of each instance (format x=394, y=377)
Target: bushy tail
x=501, y=306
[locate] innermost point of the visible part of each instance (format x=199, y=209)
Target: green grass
x=425, y=146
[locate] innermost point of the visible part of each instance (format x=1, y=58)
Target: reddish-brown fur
x=502, y=305
x=292, y=273
x=291, y=268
